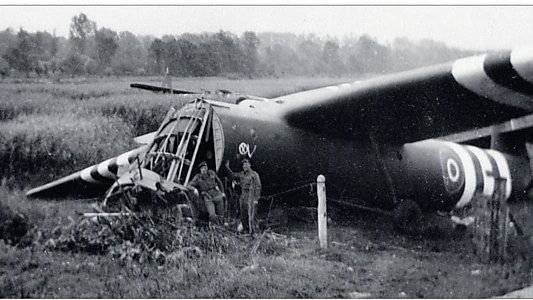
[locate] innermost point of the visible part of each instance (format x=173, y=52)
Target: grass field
x=49, y=130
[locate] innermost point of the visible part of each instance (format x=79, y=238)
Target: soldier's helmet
x=203, y=163
x=246, y=160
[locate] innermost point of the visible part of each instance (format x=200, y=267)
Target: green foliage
x=81, y=29
x=22, y=56
x=143, y=237
x=106, y=45
x=73, y=64
x=4, y=68
x=13, y=225
x=142, y=115
x=130, y=56
x=46, y=146
x=90, y=50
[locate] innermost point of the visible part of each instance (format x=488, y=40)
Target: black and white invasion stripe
x=106, y=172
x=504, y=77
x=480, y=167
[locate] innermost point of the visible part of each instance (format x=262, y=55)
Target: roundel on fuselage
x=452, y=171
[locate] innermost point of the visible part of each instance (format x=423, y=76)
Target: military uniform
x=251, y=192
x=210, y=188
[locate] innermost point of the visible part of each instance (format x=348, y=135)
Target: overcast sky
x=467, y=27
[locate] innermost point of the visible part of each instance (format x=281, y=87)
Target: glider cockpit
x=184, y=138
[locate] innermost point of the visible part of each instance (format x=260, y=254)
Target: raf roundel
x=452, y=171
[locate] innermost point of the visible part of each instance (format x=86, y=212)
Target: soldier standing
x=251, y=192
x=209, y=187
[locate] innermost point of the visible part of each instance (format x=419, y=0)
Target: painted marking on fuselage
x=244, y=149
x=469, y=173
x=480, y=167
x=453, y=169
x=486, y=169
x=503, y=168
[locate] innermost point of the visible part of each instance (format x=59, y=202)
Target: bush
x=13, y=225
x=73, y=64
x=144, y=237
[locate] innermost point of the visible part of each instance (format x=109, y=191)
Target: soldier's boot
x=214, y=220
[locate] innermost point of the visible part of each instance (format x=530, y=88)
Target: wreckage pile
x=143, y=236
x=140, y=237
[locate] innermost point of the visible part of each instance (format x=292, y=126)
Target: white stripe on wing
x=522, y=61
x=470, y=73
x=86, y=175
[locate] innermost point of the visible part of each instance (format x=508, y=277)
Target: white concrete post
x=322, y=212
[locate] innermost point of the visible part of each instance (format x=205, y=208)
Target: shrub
x=13, y=225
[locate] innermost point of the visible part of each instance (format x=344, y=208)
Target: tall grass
x=40, y=148
x=70, y=91
x=143, y=114
x=14, y=105
x=51, y=130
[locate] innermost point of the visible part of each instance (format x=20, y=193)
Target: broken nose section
x=146, y=179
x=142, y=190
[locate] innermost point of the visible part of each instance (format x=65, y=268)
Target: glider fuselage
x=438, y=175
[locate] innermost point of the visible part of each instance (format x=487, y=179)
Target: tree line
x=93, y=50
